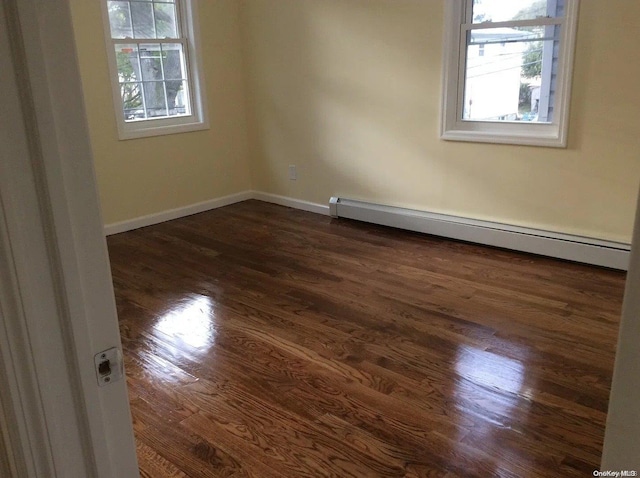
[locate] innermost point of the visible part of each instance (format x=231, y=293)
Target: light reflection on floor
x=488, y=369
x=490, y=393
x=192, y=321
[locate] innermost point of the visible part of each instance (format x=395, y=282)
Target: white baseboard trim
x=176, y=213
x=563, y=246
x=291, y=202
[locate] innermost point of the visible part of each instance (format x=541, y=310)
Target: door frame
x=57, y=304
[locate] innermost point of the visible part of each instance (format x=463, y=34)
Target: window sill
x=146, y=129
x=546, y=135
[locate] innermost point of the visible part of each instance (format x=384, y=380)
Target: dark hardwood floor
x=267, y=342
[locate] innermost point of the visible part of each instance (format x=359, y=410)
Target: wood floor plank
x=154, y=465
x=261, y=341
x=189, y=452
x=297, y=447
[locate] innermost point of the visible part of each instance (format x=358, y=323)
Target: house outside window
x=155, y=68
x=507, y=73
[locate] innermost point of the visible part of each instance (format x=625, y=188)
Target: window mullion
x=139, y=41
x=462, y=71
x=468, y=11
x=186, y=52
x=518, y=40
x=142, y=87
x=179, y=26
x=153, y=15
x=536, y=22
x=547, y=68
x=130, y=18
x=149, y=81
x=164, y=80
x=187, y=69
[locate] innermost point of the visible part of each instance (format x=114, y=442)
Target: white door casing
x=57, y=307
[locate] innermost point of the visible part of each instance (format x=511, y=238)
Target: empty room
x=299, y=238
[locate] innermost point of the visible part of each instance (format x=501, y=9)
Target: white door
x=622, y=438
x=56, y=300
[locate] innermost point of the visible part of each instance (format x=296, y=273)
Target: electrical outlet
x=292, y=172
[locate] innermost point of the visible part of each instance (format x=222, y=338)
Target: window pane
x=129, y=77
x=132, y=101
x=508, y=79
x=147, y=92
x=142, y=19
x=507, y=10
x=173, y=61
x=178, y=98
x=120, y=20
x=166, y=22
x=128, y=63
x=150, y=61
x=154, y=99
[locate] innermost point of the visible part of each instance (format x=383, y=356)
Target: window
x=153, y=57
x=507, y=73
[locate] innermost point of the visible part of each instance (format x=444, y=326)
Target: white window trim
x=198, y=119
x=454, y=128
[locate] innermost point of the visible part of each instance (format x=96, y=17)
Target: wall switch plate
x=292, y=172
x=109, y=366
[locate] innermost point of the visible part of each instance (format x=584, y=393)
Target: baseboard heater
x=563, y=246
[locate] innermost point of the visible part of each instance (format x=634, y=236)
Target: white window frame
x=454, y=128
x=189, y=37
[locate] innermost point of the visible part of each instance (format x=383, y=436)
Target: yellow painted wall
x=350, y=90
x=150, y=175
